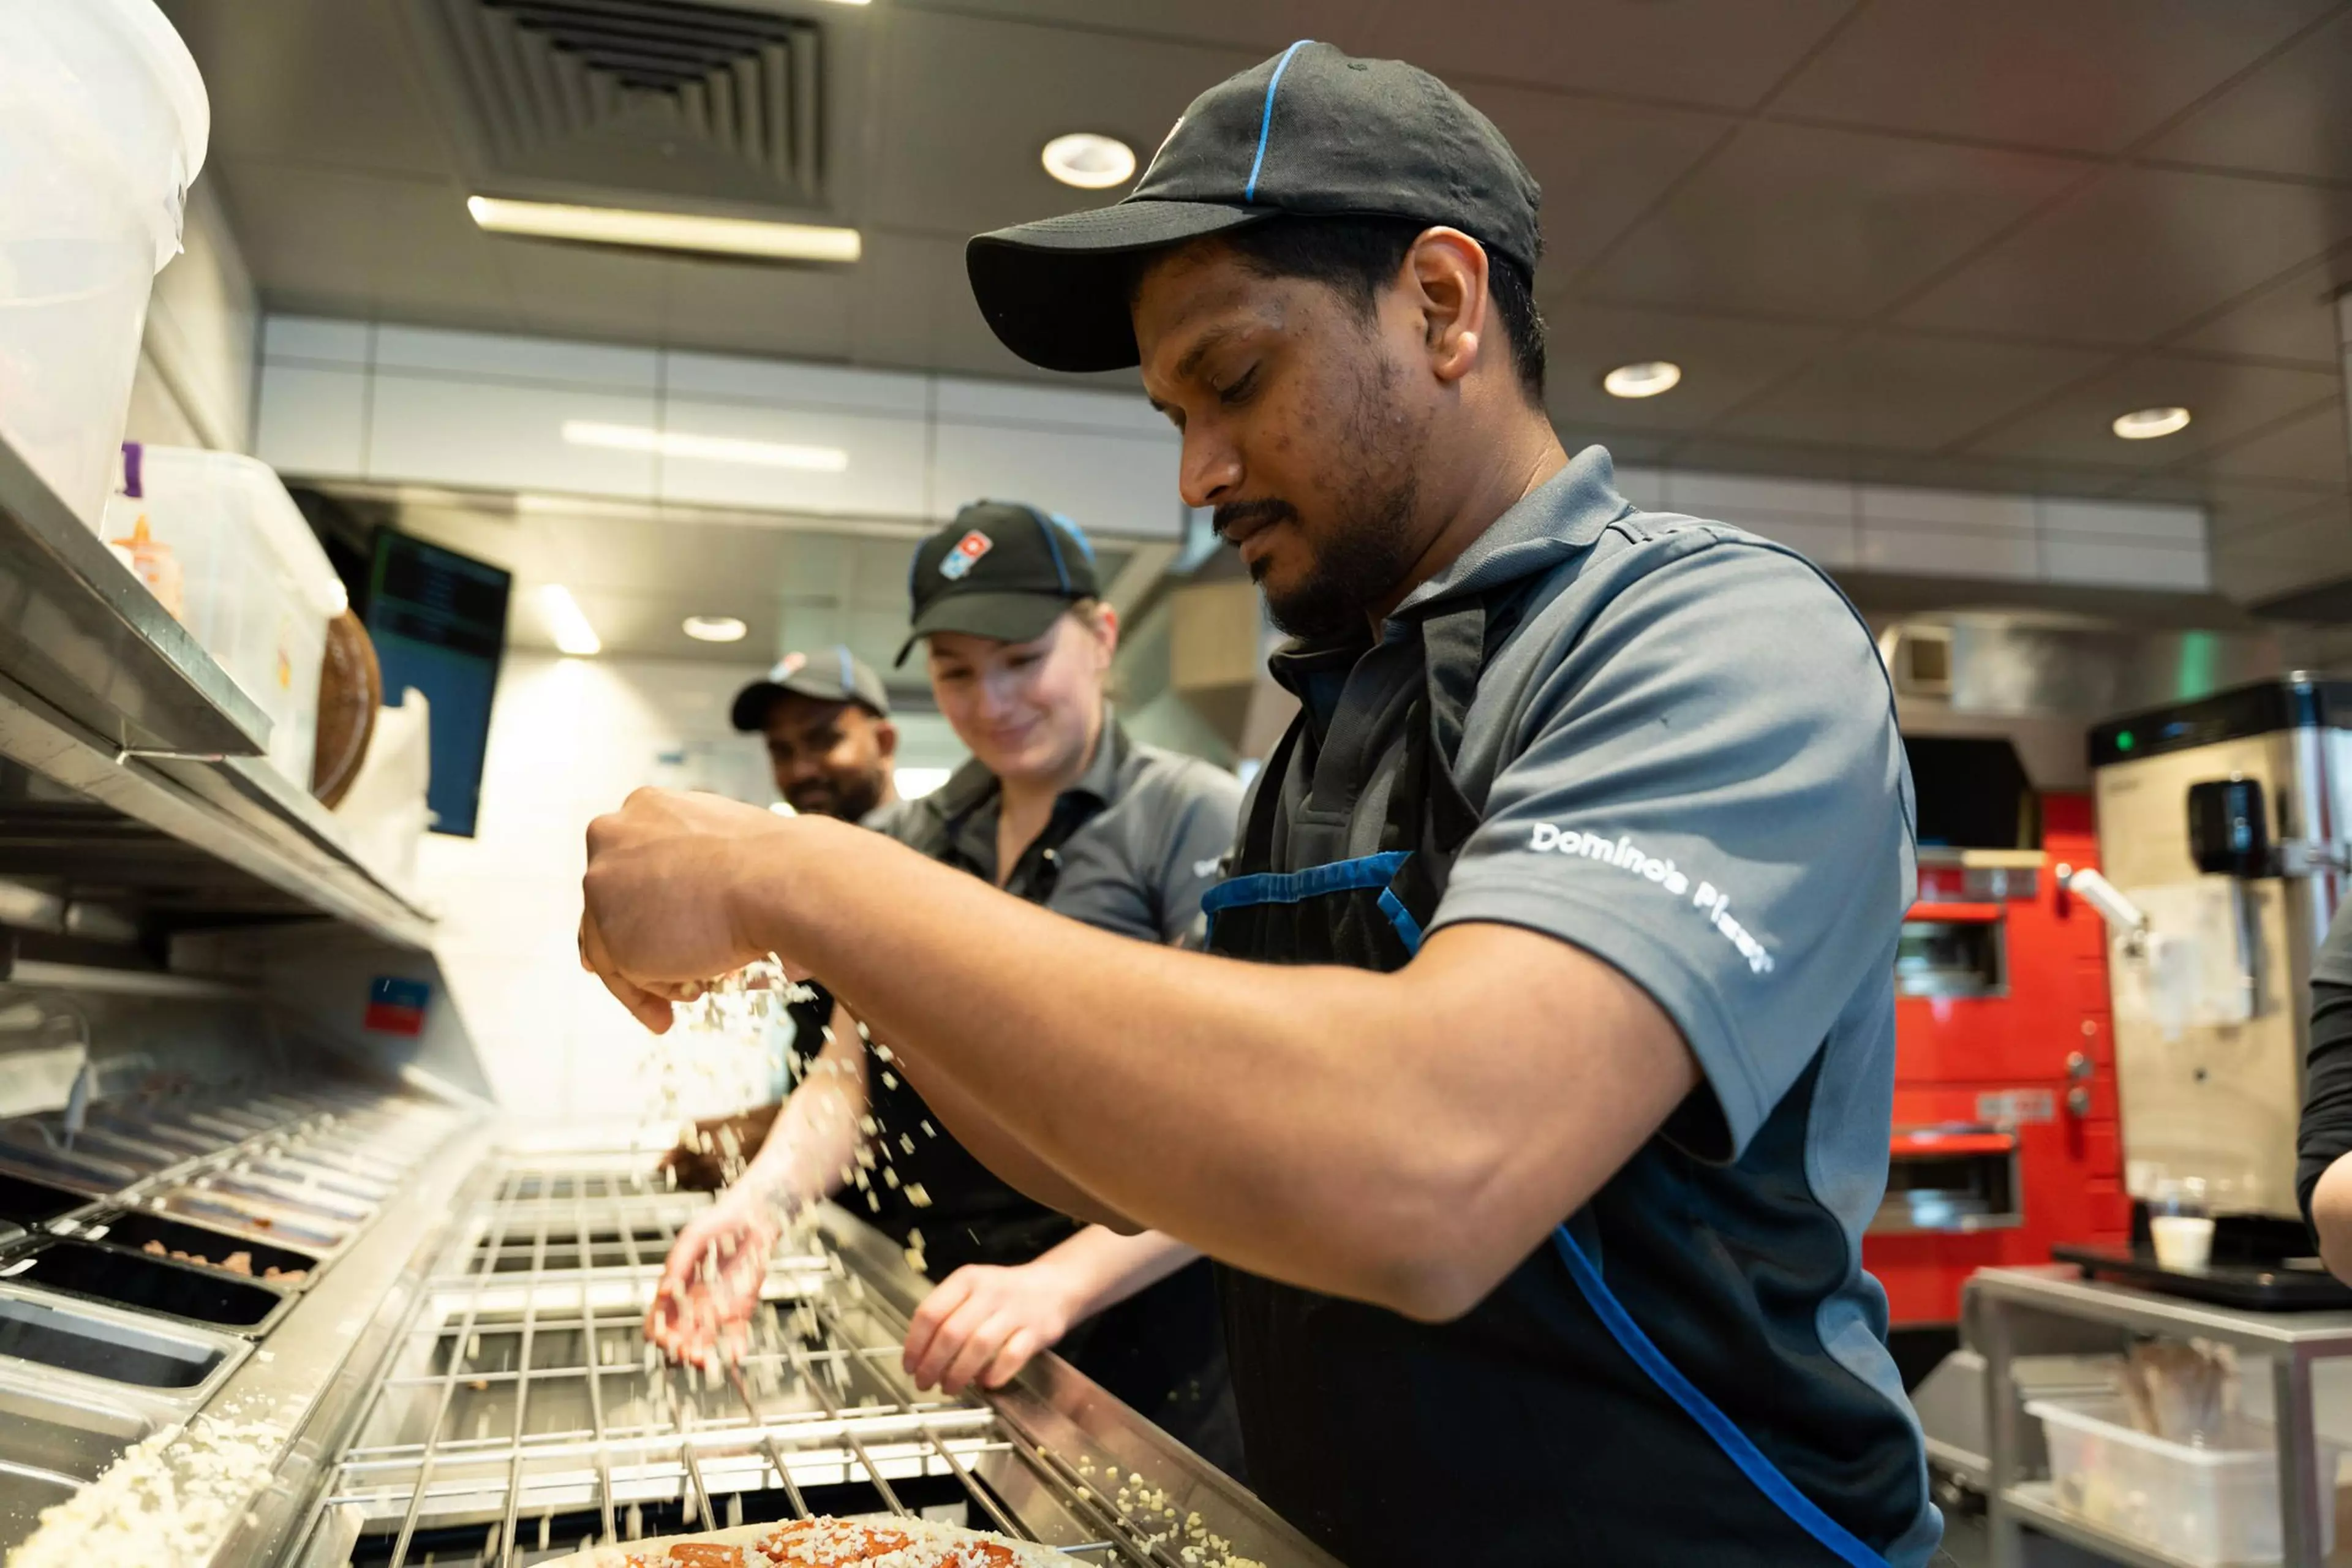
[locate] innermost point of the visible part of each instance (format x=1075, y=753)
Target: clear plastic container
x=255, y=588
x=2216, y=1505
x=103, y=125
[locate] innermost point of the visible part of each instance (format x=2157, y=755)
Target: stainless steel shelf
x=2037, y=1505
x=104, y=692
x=81, y=633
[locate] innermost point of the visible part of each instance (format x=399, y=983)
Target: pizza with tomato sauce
x=827, y=1543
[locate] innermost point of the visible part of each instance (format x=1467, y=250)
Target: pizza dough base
x=921, y=1532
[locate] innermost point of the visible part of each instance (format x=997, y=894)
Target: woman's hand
x=659, y=897
x=983, y=1323
x=710, y=1285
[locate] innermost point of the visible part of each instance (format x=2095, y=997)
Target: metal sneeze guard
x=522, y=1415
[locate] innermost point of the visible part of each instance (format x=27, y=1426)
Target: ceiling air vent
x=686, y=103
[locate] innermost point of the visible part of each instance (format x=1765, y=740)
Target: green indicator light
x=2123, y=740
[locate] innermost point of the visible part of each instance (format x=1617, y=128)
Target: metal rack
x=520, y=1414
x=103, y=692
x=2024, y=1311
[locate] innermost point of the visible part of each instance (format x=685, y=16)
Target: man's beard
x=828, y=798
x=1372, y=550
x=1371, y=546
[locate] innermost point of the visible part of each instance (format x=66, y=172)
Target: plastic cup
x=2182, y=1240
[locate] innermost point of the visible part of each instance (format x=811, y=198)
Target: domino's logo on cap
x=968, y=550
x=792, y=664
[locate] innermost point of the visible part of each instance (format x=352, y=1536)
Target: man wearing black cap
x=1537, y=1134
x=825, y=717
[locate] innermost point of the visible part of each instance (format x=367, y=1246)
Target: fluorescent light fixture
x=666, y=231
x=715, y=628
x=915, y=783
x=1647, y=378
x=569, y=628
x=2148, y=423
x=1089, y=161
x=709, y=449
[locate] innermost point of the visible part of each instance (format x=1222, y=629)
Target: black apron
x=1161, y=1351
x=1544, y=1427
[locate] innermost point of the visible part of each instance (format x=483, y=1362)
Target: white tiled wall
x=568, y=740
x=1948, y=533
x=345, y=399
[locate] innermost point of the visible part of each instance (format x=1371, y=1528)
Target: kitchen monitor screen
x=439, y=620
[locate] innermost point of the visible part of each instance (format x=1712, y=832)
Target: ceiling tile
x=1819, y=222
x=962, y=150
x=2309, y=449
x=2138, y=254
x=1907, y=392
x=1601, y=165
x=1864, y=465
x=2293, y=319
x=299, y=82
x=2089, y=75
x=362, y=244
x=2291, y=116
x=2309, y=551
x=2228, y=399
x=2236, y=510
x=1724, y=53
x=1258, y=27
x=1723, y=362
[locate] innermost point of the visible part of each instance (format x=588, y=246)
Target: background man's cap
x=1310, y=132
x=1001, y=570
x=829, y=675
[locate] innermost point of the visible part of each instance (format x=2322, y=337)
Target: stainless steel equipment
x=520, y=1412
x=364, y=1334
x=2017, y=1315
x=2209, y=1054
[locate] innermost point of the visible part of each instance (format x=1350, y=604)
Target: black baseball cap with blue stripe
x=1001, y=570
x=1310, y=132
x=826, y=675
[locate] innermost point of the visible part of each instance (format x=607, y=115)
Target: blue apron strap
x=1736, y=1445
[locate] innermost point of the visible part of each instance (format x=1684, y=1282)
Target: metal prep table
x=2017, y=1312
x=465, y=1382
x=518, y=1414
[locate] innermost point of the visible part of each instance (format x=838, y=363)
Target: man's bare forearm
x=1322, y=1125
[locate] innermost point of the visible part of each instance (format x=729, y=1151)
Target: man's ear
x=1446, y=272
x=886, y=741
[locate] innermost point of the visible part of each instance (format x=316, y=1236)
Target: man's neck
x=1529, y=456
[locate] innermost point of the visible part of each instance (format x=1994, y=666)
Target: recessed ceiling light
x=715, y=628
x=709, y=449
x=666, y=231
x=1646, y=379
x=2148, y=423
x=1089, y=161
x=567, y=624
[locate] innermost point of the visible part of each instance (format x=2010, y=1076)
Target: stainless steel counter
x=519, y=1415
x=462, y=1380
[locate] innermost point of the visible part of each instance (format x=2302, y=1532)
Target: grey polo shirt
x=1687, y=751
x=1136, y=839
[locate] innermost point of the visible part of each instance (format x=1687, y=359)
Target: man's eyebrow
x=1215, y=338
